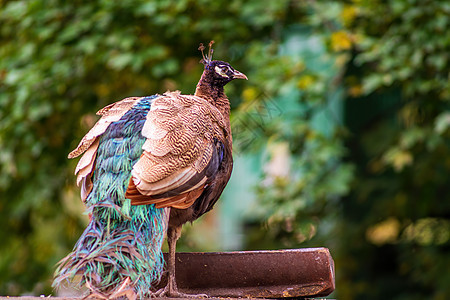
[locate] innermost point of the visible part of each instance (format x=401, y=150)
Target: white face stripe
x=219, y=71
x=226, y=66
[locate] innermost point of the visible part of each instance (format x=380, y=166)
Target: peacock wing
x=182, y=152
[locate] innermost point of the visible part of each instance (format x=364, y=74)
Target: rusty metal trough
x=267, y=274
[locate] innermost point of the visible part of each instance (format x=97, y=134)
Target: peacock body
x=150, y=165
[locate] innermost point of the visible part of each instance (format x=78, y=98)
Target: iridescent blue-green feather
x=121, y=241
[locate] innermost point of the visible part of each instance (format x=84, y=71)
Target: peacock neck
x=213, y=93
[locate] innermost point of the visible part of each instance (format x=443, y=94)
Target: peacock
x=150, y=164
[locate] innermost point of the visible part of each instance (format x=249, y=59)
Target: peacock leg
x=171, y=289
x=173, y=234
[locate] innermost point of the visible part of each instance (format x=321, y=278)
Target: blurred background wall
x=341, y=134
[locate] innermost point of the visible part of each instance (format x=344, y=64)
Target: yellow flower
x=402, y=159
x=398, y=158
x=341, y=40
x=384, y=232
x=305, y=81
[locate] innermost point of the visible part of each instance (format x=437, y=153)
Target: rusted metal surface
x=265, y=274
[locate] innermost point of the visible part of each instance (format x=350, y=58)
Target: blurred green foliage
x=347, y=103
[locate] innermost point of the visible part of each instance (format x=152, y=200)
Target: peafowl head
x=218, y=73
x=222, y=72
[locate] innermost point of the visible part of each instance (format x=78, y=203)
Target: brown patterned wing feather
x=181, y=201
x=110, y=114
x=179, y=157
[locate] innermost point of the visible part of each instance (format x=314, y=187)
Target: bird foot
x=124, y=290
x=174, y=293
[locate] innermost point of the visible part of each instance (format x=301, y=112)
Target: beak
x=237, y=74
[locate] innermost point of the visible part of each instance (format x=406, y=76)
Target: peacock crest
x=206, y=60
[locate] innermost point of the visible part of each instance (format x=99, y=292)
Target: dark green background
x=341, y=134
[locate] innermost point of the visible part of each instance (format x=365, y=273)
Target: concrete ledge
x=305, y=272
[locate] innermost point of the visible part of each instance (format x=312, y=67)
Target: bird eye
x=222, y=70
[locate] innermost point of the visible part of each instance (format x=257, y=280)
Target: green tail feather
x=122, y=242
x=110, y=252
